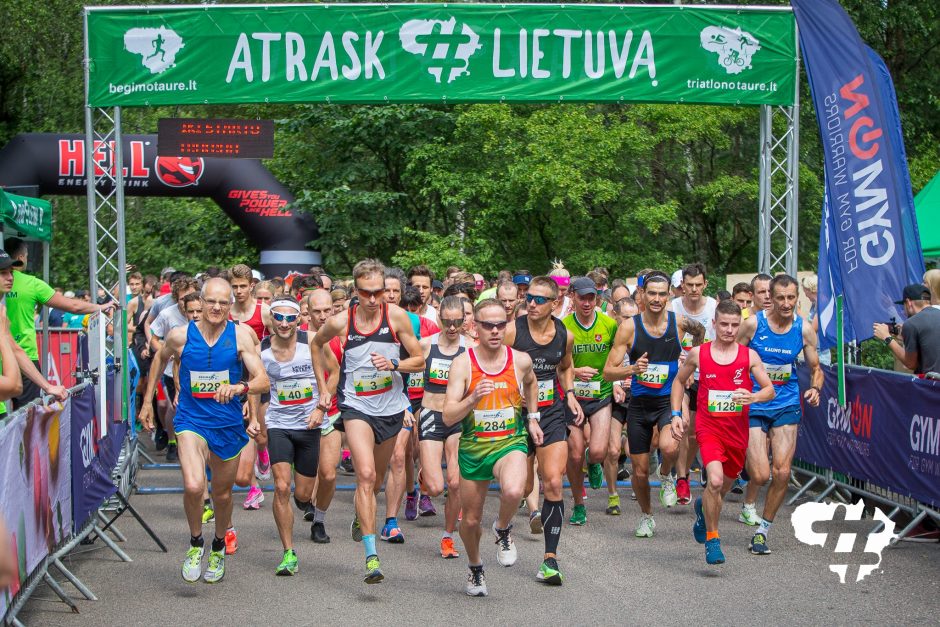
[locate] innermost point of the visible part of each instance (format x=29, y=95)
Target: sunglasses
x=538, y=300
x=492, y=326
x=455, y=322
x=366, y=294
x=281, y=317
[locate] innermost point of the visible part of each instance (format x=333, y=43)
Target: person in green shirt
x=10, y=383
x=27, y=292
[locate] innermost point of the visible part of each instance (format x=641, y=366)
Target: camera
x=893, y=327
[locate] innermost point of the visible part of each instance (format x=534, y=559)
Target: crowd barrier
x=884, y=444
x=57, y=471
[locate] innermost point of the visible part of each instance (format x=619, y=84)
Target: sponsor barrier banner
x=869, y=248
x=887, y=434
x=35, y=494
x=93, y=456
x=377, y=53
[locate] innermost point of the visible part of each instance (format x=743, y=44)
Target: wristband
x=571, y=391
x=676, y=413
x=535, y=415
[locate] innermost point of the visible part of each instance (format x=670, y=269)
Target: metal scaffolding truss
x=779, y=189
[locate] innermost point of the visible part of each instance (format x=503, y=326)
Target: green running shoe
x=288, y=565
x=355, y=530
x=208, y=514
x=596, y=476
x=373, y=574
x=216, y=568
x=549, y=573
x=192, y=565
x=578, y=516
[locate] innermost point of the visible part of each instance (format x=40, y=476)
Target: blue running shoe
x=391, y=533
x=713, y=554
x=698, y=529
x=759, y=544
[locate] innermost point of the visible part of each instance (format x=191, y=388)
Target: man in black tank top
x=653, y=340
x=549, y=344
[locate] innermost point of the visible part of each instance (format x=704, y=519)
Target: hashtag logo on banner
x=442, y=43
x=445, y=47
x=837, y=528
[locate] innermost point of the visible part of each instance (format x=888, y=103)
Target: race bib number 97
x=206, y=384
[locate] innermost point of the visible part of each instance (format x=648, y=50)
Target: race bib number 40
x=372, y=382
x=587, y=390
x=294, y=391
x=721, y=403
x=546, y=393
x=439, y=373
x=779, y=375
x=493, y=425
x=206, y=384
x=655, y=376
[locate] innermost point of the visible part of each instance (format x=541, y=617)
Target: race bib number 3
x=206, y=384
x=439, y=372
x=493, y=425
x=655, y=376
x=294, y=391
x=587, y=390
x=779, y=375
x=546, y=393
x=721, y=403
x=372, y=382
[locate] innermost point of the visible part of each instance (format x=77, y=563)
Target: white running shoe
x=476, y=583
x=645, y=527
x=667, y=491
x=749, y=515
x=505, y=547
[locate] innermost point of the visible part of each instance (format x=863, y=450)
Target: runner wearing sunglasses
x=485, y=395
x=547, y=342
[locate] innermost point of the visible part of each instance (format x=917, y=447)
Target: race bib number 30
x=779, y=375
x=655, y=376
x=372, y=382
x=546, y=393
x=587, y=390
x=294, y=391
x=721, y=403
x=206, y=384
x=493, y=425
x=439, y=373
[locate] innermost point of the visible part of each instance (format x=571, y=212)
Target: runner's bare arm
x=744, y=395
x=693, y=328
x=677, y=393
x=510, y=338
x=747, y=329
x=614, y=370
x=175, y=341
x=457, y=403
x=565, y=368
x=812, y=360
x=11, y=383
x=401, y=324
x=330, y=329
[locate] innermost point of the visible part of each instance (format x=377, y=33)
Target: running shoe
x=595, y=476
x=758, y=544
x=713, y=554
x=373, y=570
x=318, y=533
x=447, y=549
x=698, y=528
x=192, y=565
x=160, y=439
x=549, y=573
x=172, y=455
x=288, y=565
x=505, y=547
x=613, y=505
x=578, y=516
x=208, y=514
x=646, y=526
x=346, y=466
x=749, y=515
x=425, y=506
x=703, y=477
x=632, y=495
x=623, y=473
x=738, y=486
x=535, y=522
x=476, y=582
x=667, y=491
x=263, y=465
x=309, y=512
x=215, y=570
x=391, y=533
x=355, y=529
x=231, y=541
x=683, y=491
x=254, y=499
x=411, y=506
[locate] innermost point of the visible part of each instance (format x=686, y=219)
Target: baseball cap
x=676, y=278
x=914, y=291
x=6, y=261
x=436, y=285
x=583, y=286
x=257, y=275
x=522, y=279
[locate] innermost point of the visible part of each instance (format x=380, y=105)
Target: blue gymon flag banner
x=869, y=248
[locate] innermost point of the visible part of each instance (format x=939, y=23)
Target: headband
x=562, y=281
x=290, y=303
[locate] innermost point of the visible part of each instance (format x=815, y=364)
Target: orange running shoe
x=447, y=549
x=231, y=541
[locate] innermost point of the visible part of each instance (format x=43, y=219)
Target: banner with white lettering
x=869, y=248
x=888, y=433
x=93, y=456
x=424, y=52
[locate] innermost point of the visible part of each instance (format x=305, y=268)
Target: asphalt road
x=611, y=576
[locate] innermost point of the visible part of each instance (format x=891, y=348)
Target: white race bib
x=721, y=403
x=439, y=373
x=588, y=390
x=655, y=376
x=494, y=424
x=779, y=375
x=368, y=382
x=294, y=391
x=206, y=384
x=546, y=392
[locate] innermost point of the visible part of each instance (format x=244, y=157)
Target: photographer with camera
x=920, y=334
